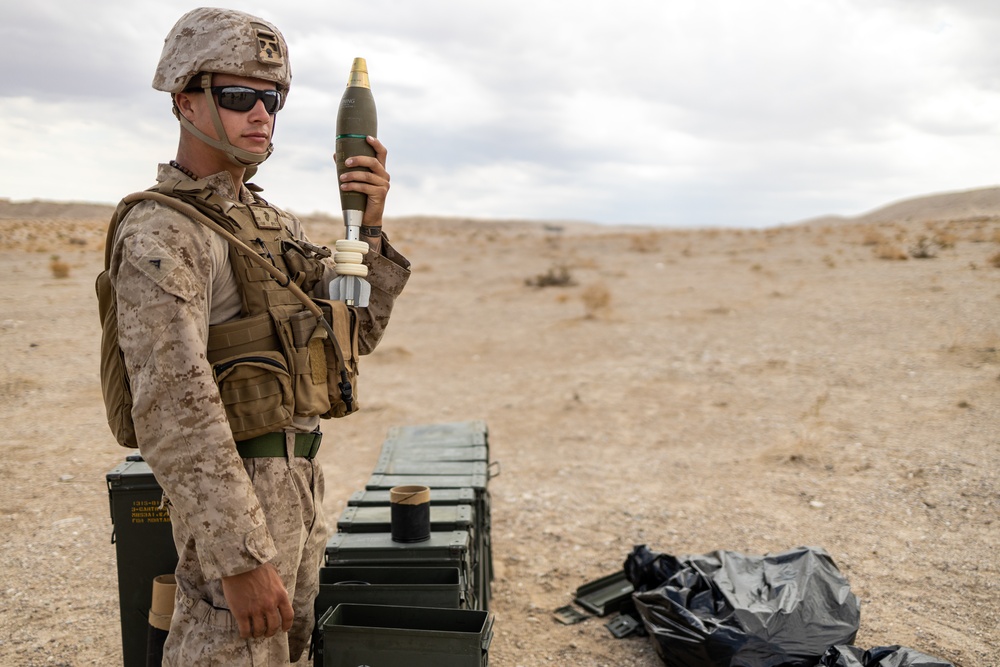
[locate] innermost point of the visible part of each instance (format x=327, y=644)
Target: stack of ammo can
x=413, y=603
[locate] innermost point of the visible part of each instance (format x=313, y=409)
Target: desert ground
x=832, y=383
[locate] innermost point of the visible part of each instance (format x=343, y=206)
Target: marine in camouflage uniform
x=249, y=532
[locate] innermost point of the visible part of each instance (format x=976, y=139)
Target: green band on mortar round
x=352, y=136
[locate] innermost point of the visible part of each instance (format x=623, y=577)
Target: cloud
x=697, y=113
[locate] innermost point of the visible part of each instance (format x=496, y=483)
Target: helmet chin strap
x=237, y=156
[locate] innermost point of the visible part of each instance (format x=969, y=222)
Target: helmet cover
x=222, y=41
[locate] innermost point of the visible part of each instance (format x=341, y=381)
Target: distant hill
x=37, y=209
x=978, y=204
x=964, y=205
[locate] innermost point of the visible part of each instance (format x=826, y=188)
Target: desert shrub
x=924, y=248
x=59, y=268
x=890, y=251
x=979, y=235
x=556, y=276
x=946, y=238
x=596, y=300
x=995, y=260
x=873, y=237
x=644, y=242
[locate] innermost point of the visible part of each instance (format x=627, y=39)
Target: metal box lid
x=378, y=519
x=445, y=433
x=347, y=575
x=373, y=548
x=382, y=481
x=379, y=497
x=417, y=586
x=606, y=594
x=425, y=467
x=133, y=473
x=409, y=451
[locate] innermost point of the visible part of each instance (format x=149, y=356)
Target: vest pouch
x=344, y=322
x=256, y=390
x=114, y=378
x=303, y=267
x=307, y=357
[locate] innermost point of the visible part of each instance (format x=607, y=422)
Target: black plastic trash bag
x=880, y=656
x=725, y=609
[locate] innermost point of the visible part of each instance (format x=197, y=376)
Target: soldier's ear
x=183, y=105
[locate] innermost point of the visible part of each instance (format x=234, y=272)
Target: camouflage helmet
x=222, y=41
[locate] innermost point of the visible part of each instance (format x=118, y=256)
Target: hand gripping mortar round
x=356, y=120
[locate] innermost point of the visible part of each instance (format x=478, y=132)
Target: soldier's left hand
x=374, y=183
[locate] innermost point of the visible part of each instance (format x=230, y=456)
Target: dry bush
x=873, y=237
x=557, y=276
x=924, y=248
x=995, y=260
x=16, y=386
x=596, y=301
x=980, y=235
x=59, y=268
x=649, y=242
x=945, y=238
x=890, y=251
x=586, y=263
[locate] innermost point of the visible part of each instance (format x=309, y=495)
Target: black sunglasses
x=242, y=98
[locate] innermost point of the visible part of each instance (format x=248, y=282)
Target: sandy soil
x=753, y=391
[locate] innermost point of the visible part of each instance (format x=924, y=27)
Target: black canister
x=410, y=513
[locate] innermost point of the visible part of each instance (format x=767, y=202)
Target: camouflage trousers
x=203, y=632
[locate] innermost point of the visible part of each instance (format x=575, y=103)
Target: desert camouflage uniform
x=173, y=279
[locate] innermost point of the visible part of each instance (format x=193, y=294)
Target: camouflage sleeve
x=388, y=272
x=161, y=270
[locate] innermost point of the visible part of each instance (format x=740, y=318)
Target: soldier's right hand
x=259, y=602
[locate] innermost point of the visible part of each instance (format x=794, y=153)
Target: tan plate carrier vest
x=273, y=362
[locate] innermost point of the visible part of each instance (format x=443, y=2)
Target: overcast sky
x=684, y=113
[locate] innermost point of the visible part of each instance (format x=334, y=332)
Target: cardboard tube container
x=410, y=513
x=161, y=608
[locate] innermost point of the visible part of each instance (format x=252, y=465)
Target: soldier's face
x=249, y=130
